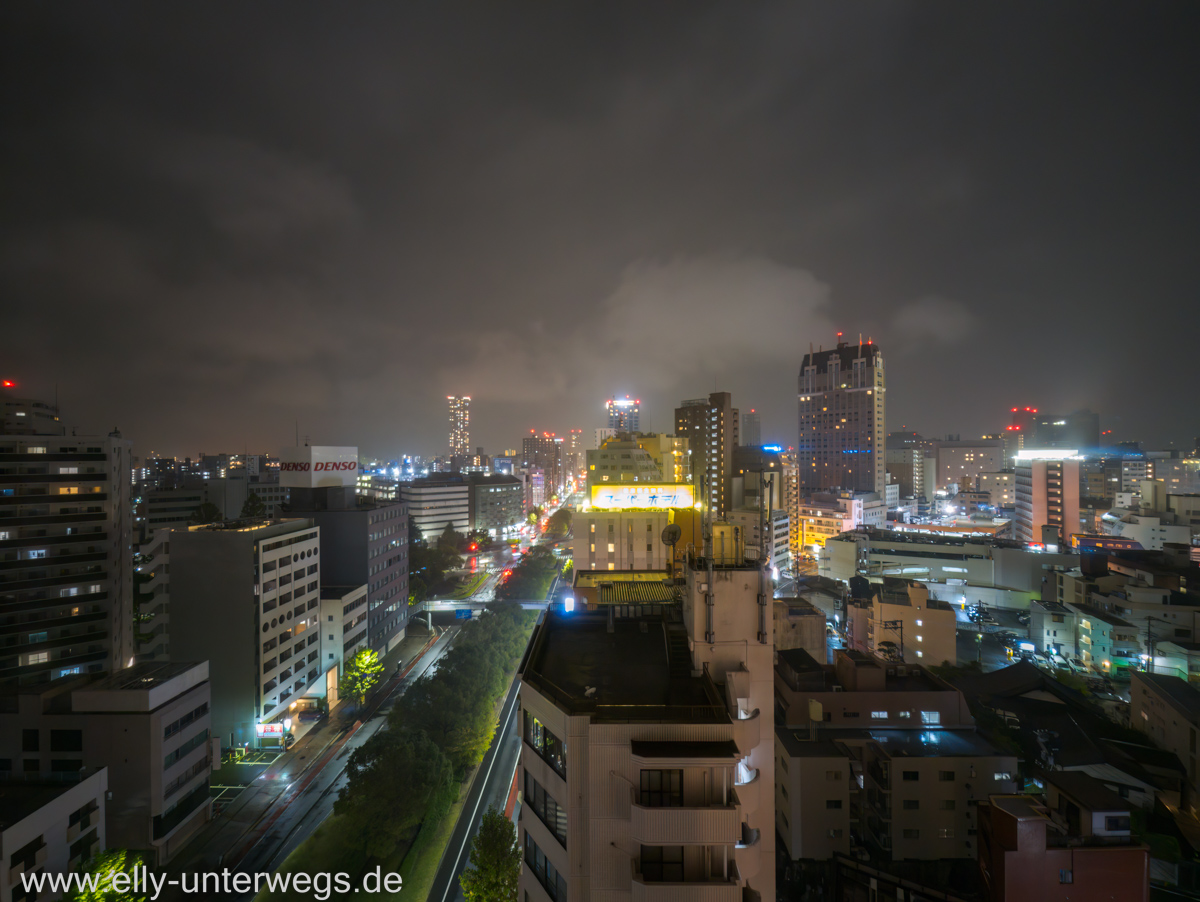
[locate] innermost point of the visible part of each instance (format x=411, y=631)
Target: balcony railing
x=709, y=825
x=715, y=888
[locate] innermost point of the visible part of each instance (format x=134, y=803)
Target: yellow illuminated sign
x=660, y=496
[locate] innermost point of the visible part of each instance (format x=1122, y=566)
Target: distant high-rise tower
x=624, y=414
x=460, y=425
x=842, y=442
x=751, y=428
x=711, y=426
x=544, y=452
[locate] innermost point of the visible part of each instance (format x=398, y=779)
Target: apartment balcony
x=27, y=866
x=710, y=825
x=747, y=730
x=715, y=888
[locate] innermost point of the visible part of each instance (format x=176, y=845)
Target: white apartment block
x=648, y=752
x=247, y=599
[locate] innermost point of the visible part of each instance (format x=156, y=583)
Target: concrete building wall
x=57, y=837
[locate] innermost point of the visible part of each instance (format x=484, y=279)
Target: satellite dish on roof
x=671, y=534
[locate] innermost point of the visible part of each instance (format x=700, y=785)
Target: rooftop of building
x=1179, y=692
x=1052, y=607
x=1086, y=610
x=18, y=800
x=897, y=677
x=845, y=352
x=333, y=592
x=626, y=674
x=141, y=677
x=1089, y=792
x=964, y=743
x=587, y=579
x=875, y=534
x=1021, y=807
x=802, y=744
x=625, y=592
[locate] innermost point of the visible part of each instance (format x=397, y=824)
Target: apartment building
x=1167, y=709
x=1107, y=643
x=49, y=827
x=905, y=623
x=887, y=750
x=800, y=624
x=1047, y=502
x=712, y=427
x=1072, y=843
x=245, y=597
x=648, y=744
x=148, y=725
x=622, y=528
x=343, y=625
x=66, y=527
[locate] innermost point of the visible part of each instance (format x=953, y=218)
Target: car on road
x=1023, y=618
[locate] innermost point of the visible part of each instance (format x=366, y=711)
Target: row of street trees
x=531, y=578
x=410, y=772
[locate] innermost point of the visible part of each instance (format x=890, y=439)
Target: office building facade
x=1047, y=497
x=246, y=598
x=624, y=414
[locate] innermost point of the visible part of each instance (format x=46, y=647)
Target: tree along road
x=315, y=802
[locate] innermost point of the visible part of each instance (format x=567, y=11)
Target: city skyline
x=288, y=245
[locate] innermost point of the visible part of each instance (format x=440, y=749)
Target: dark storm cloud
x=221, y=221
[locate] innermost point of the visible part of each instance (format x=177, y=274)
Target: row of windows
x=548, y=811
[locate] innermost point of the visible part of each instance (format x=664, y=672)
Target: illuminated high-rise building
x=842, y=439
x=544, y=452
x=460, y=425
x=624, y=414
x=712, y=428
x=66, y=532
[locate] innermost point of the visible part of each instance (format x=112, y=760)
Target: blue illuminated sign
x=775, y=449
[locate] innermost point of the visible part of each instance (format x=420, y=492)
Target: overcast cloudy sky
x=222, y=219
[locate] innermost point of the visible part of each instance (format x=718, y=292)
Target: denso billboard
x=318, y=467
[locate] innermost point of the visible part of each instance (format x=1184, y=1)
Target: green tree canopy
x=207, y=513
x=395, y=780
x=105, y=866
x=361, y=675
x=254, y=508
x=495, y=861
x=560, y=523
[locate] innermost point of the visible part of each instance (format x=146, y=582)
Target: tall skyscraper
x=841, y=443
x=624, y=414
x=544, y=452
x=713, y=429
x=751, y=428
x=66, y=530
x=460, y=425
x=573, y=454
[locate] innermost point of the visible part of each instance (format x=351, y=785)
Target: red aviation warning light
x=8, y=383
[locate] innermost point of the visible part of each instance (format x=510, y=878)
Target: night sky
x=218, y=221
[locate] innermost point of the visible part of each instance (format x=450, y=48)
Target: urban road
x=491, y=788
x=300, y=809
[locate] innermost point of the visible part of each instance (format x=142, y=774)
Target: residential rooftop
x=1087, y=791
x=1184, y=697
x=964, y=743
x=798, y=744
x=624, y=675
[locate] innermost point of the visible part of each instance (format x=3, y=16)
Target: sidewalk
x=231, y=834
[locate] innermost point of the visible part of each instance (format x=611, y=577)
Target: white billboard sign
x=318, y=467
x=642, y=497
